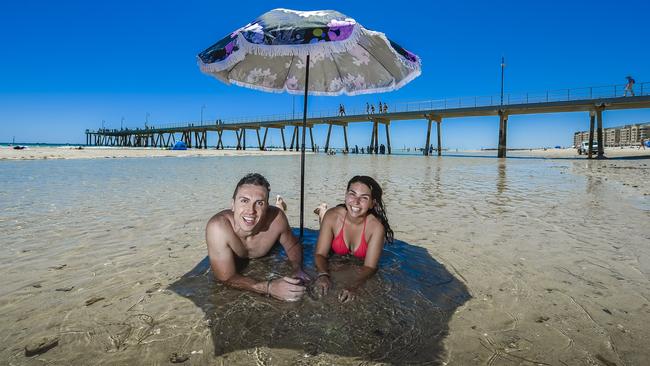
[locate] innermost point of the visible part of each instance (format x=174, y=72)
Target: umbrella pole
x=302, y=154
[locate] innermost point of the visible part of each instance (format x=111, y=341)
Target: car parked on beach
x=584, y=146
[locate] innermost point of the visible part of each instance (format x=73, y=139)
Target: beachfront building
x=628, y=135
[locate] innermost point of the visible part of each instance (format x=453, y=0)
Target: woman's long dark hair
x=378, y=210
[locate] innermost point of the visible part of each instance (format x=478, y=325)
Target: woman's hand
x=322, y=286
x=347, y=295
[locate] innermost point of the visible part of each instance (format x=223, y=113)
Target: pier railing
x=548, y=96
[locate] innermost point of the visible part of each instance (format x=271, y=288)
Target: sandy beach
x=92, y=152
x=32, y=153
x=553, y=252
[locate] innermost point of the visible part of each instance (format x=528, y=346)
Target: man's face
x=249, y=206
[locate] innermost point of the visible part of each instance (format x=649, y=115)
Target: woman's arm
x=323, y=246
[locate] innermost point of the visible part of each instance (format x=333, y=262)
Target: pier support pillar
x=592, y=119
x=243, y=137
x=327, y=139
x=293, y=138
x=238, y=140
x=345, y=138
x=503, y=129
x=259, y=141
x=219, y=141
x=599, y=121
x=428, y=142
x=439, y=122
x=266, y=130
x=372, y=138
x=376, y=129
x=284, y=145
x=386, y=125
x=311, y=137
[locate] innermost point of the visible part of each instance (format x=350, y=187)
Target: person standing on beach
x=629, y=87
x=249, y=230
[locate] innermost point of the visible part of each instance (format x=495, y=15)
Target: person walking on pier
x=367, y=108
x=341, y=110
x=381, y=107
x=629, y=87
x=372, y=109
x=385, y=107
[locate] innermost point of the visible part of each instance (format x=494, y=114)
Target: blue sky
x=66, y=66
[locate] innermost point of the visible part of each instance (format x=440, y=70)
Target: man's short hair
x=255, y=179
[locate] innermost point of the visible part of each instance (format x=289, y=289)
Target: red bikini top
x=339, y=247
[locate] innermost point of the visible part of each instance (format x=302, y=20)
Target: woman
x=359, y=227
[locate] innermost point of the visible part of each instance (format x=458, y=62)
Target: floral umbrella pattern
x=345, y=58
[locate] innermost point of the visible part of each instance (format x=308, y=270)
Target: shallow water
x=530, y=238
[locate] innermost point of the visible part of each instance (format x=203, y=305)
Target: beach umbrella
x=320, y=52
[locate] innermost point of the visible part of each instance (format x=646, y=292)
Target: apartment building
x=628, y=135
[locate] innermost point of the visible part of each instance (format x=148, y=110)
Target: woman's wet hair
x=255, y=179
x=378, y=210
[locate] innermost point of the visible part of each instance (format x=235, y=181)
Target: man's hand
x=300, y=274
x=347, y=295
x=322, y=286
x=286, y=289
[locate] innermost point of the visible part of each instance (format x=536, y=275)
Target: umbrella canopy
x=345, y=58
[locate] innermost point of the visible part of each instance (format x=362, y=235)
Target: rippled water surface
x=525, y=239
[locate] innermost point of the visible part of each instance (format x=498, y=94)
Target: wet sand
x=554, y=255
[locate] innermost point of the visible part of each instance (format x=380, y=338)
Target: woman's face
x=358, y=200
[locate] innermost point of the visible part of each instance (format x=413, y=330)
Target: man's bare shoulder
x=221, y=220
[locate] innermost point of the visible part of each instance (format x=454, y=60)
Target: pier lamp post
x=503, y=66
x=202, y=108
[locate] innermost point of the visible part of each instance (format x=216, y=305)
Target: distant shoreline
x=92, y=152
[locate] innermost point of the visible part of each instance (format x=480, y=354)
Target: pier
x=592, y=101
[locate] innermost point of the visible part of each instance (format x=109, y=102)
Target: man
x=249, y=230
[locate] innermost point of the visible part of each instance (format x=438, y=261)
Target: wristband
x=321, y=274
x=268, y=288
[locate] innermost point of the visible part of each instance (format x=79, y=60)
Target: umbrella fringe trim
x=320, y=48
x=345, y=91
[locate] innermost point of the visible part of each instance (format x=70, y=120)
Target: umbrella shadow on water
x=400, y=316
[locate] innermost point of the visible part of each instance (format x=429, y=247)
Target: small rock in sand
x=178, y=358
x=93, y=300
x=41, y=346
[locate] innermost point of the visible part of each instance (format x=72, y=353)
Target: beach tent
x=179, y=145
x=321, y=52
